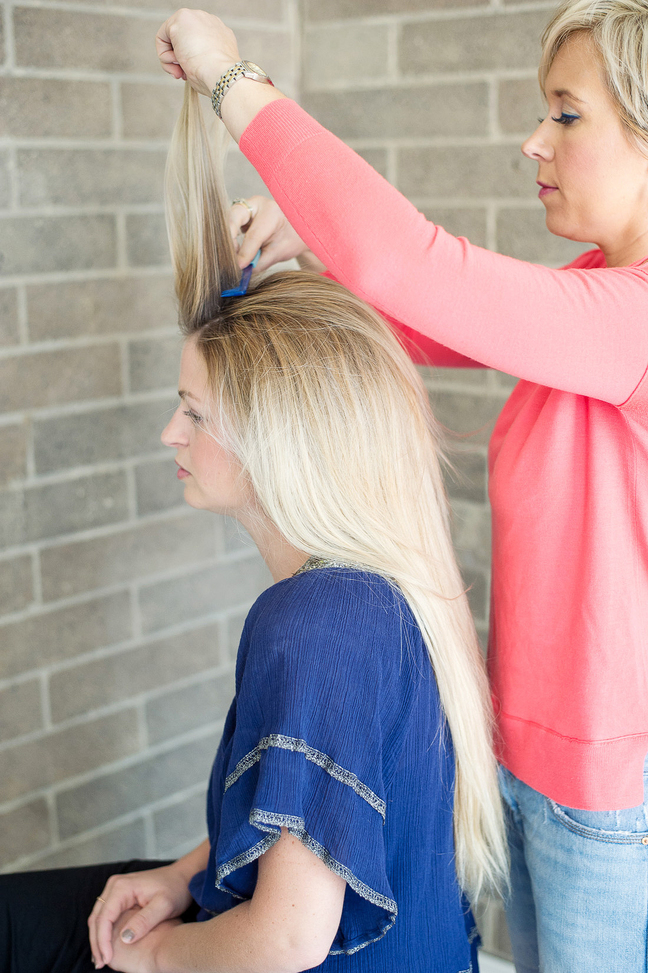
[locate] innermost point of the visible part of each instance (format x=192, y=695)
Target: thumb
x=140, y=923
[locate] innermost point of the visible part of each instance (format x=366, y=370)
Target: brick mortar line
x=177, y=851
x=33, y=348
x=9, y=39
x=143, y=641
x=36, y=580
x=86, y=75
x=221, y=619
x=491, y=226
x=421, y=80
x=23, y=328
x=101, y=532
x=139, y=699
x=48, y=723
x=107, y=828
x=458, y=388
x=157, y=16
x=52, y=815
x=79, y=144
x=393, y=38
x=479, y=12
x=76, y=276
x=54, y=211
x=131, y=495
x=438, y=142
x=13, y=178
x=114, y=766
x=121, y=234
x=82, y=472
x=477, y=202
x=149, y=834
x=493, y=109
x=65, y=409
x=63, y=540
x=106, y=591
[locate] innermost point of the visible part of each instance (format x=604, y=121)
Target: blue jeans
x=579, y=884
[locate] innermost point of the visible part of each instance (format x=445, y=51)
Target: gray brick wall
x=120, y=608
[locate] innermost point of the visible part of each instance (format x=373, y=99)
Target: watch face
x=251, y=66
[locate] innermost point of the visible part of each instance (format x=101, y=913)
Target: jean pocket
x=629, y=826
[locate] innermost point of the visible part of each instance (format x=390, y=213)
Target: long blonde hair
x=331, y=423
x=619, y=31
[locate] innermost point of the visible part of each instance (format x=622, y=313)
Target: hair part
x=331, y=424
x=619, y=32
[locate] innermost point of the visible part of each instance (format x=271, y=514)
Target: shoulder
x=329, y=608
x=590, y=260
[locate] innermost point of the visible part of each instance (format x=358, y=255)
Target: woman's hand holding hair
x=267, y=230
x=197, y=47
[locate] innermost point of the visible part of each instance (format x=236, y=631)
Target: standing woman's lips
x=545, y=189
x=181, y=471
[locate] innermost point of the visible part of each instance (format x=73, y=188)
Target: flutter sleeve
x=306, y=753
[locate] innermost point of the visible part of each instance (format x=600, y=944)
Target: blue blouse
x=336, y=733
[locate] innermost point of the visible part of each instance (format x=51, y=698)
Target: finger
x=105, y=917
x=269, y=257
x=141, y=923
x=256, y=238
x=92, y=933
x=162, y=40
x=240, y=215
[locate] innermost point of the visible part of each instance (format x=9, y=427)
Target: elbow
x=307, y=957
x=296, y=954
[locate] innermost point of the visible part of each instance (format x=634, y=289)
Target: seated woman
x=353, y=798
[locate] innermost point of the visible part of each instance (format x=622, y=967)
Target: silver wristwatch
x=242, y=69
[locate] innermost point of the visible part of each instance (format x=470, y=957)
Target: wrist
x=211, y=74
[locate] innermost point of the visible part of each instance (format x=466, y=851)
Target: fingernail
x=127, y=936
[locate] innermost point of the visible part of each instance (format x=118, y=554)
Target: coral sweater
x=568, y=460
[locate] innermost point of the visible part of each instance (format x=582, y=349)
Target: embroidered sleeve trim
x=315, y=756
x=270, y=821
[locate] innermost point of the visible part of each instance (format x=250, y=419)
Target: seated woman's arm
x=287, y=926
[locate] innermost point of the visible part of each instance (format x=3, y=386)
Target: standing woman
x=568, y=457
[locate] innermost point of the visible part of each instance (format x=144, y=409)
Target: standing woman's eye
x=565, y=118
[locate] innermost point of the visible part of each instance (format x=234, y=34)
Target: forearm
x=235, y=942
x=288, y=925
x=193, y=862
x=581, y=331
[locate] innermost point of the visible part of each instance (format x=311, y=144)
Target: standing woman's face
x=211, y=474
x=593, y=179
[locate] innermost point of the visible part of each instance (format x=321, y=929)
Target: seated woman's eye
x=564, y=118
x=195, y=418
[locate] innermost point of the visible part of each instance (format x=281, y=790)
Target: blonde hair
x=331, y=423
x=619, y=31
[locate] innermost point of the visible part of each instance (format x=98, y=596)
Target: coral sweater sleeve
x=580, y=330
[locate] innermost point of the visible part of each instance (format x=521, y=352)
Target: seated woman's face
x=211, y=474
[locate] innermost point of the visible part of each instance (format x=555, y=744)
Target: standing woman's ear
x=204, y=260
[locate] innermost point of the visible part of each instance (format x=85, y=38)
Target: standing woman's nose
x=538, y=145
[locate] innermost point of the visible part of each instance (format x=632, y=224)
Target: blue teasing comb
x=245, y=279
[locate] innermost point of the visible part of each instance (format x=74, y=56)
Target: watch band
x=242, y=69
